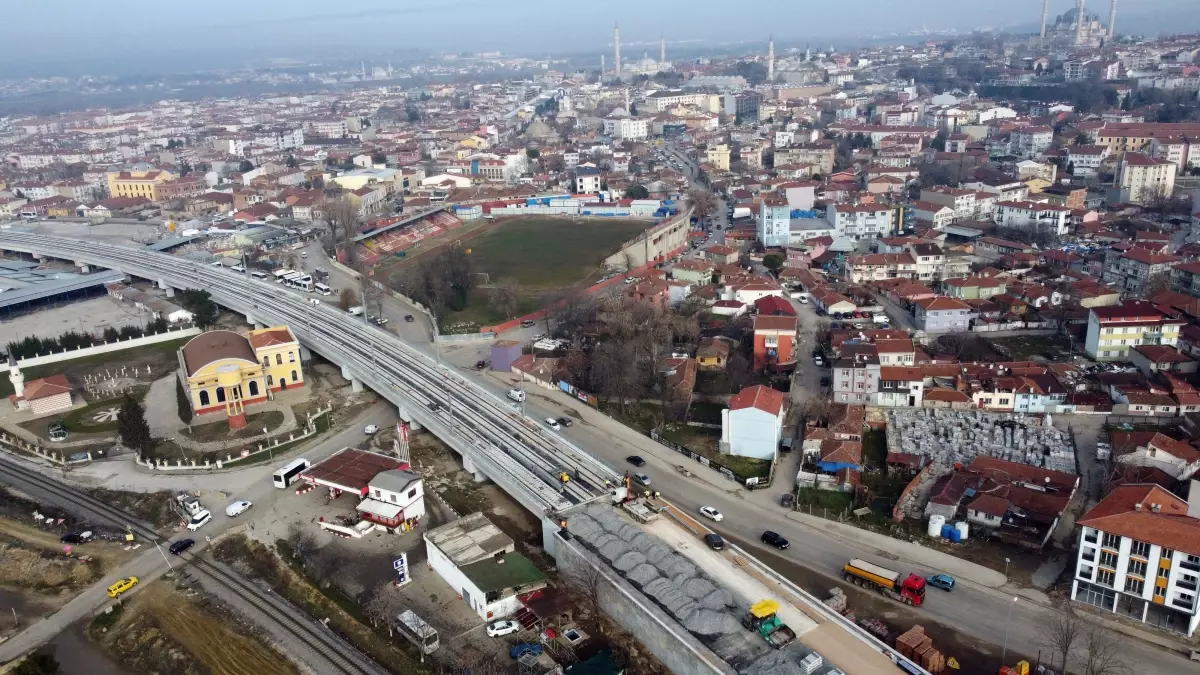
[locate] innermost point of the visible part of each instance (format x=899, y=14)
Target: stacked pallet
x=918, y=647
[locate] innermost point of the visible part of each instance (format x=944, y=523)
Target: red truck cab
x=913, y=589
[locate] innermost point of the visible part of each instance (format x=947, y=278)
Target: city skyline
x=224, y=34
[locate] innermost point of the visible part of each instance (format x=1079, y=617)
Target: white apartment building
x=1086, y=160
x=962, y=201
x=327, y=128
x=1182, y=151
x=1143, y=178
x=665, y=100
x=860, y=221
x=1139, y=556
x=775, y=222
x=1031, y=141
x=627, y=127
x=1034, y=216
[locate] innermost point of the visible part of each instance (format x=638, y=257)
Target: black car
x=565, y=421
x=635, y=460
x=409, y=318
x=714, y=541
x=775, y=539
x=480, y=365
x=182, y=545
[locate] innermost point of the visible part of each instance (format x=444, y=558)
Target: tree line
x=70, y=340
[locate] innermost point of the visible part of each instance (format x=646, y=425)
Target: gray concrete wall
x=679, y=650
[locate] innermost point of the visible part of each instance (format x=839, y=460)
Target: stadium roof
x=401, y=223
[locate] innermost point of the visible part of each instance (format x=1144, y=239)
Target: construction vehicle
x=910, y=590
x=764, y=618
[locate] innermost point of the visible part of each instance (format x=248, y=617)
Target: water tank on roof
x=935, y=525
x=962, y=528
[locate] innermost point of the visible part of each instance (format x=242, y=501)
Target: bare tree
x=302, y=541
x=505, y=297
x=383, y=604
x=587, y=582
x=1157, y=284
x=347, y=298
x=1061, y=632
x=343, y=224
x=703, y=203
x=815, y=409
x=1103, y=654
x=614, y=373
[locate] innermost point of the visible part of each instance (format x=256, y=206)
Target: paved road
x=216, y=491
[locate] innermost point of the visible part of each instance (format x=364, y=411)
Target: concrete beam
x=84, y=268
x=356, y=385
x=170, y=292
x=305, y=353
x=413, y=425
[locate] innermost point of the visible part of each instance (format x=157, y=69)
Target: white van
x=516, y=395
x=356, y=311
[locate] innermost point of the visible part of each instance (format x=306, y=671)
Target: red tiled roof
x=1171, y=527
x=760, y=397
x=46, y=387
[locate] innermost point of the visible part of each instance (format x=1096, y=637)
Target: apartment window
x=1085, y=571
x=1089, y=554
x=1160, y=592
x=1106, y=578
x=1113, y=541
x=1108, y=559
x=1137, y=568
x=1135, y=586
x=1164, y=572
x=1166, y=554
x=412, y=493
x=1091, y=536
x=291, y=357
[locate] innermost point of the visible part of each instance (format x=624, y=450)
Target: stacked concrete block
x=949, y=437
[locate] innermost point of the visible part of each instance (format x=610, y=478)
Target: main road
x=495, y=440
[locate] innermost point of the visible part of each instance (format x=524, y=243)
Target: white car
x=370, y=429
x=503, y=627
x=237, y=508
x=553, y=424
x=711, y=513
x=199, y=520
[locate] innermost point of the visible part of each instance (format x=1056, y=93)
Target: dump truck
x=764, y=618
x=907, y=589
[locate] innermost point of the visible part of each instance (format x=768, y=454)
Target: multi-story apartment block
x=937, y=215
x=327, y=128
x=1142, y=178
x=774, y=340
x=1185, y=278
x=880, y=266
x=961, y=201
x=856, y=376
x=1034, y=216
x=1032, y=141
x=1113, y=331
x=820, y=154
x=1085, y=161
x=669, y=98
x=943, y=315
x=1139, y=271
x=860, y=221
x=775, y=221
x=1139, y=556
x=718, y=156
x=1125, y=137
x=1182, y=151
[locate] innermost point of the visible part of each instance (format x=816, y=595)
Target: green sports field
x=550, y=253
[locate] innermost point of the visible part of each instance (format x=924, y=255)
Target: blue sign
x=401, y=567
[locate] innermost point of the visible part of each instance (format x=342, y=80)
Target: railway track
x=340, y=656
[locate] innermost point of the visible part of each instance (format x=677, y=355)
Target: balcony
x=1190, y=565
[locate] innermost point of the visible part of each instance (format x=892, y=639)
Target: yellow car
x=121, y=586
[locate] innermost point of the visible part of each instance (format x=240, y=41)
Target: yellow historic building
x=224, y=370
x=138, y=183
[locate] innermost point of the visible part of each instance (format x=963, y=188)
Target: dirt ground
x=165, y=630
x=152, y=507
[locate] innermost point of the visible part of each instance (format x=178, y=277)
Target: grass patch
x=219, y=431
x=105, y=620
x=160, y=353
x=874, y=446
x=480, y=311
x=1025, y=347
x=550, y=253
x=818, y=500
x=706, y=413
x=79, y=420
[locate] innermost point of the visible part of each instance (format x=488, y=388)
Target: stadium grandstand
x=402, y=235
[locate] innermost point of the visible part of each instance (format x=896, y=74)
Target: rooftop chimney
x=1156, y=508
x=1137, y=506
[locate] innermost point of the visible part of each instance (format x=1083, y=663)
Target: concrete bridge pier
x=469, y=467
x=253, y=322
x=84, y=268
x=356, y=385
x=305, y=353
x=408, y=419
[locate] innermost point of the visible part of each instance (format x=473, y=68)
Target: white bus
x=302, y=283
x=292, y=274
x=284, y=477
x=421, y=634
x=322, y=289
x=280, y=274
x=261, y=276
x=237, y=268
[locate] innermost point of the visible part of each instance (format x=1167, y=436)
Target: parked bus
x=302, y=283
x=418, y=632
x=322, y=289
x=280, y=274
x=284, y=477
x=261, y=276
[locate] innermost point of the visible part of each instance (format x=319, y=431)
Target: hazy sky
x=48, y=33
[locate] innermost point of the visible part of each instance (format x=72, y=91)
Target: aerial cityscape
x=777, y=339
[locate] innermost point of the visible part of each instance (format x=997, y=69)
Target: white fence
x=268, y=445
x=119, y=345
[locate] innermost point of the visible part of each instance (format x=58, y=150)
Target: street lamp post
x=1006, y=561
x=165, y=558
x=1007, y=621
